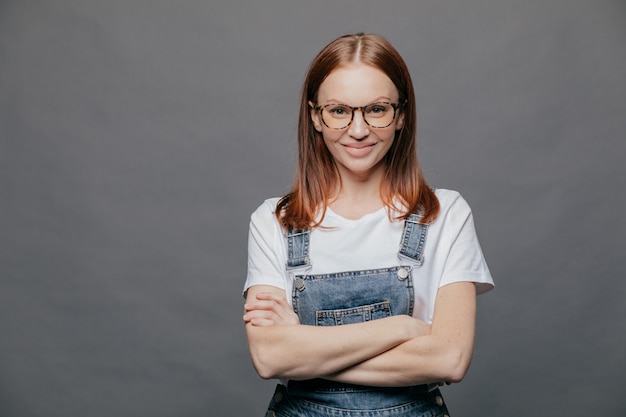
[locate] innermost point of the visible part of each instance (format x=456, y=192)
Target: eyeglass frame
x=395, y=107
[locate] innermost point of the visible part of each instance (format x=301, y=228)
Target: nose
x=359, y=129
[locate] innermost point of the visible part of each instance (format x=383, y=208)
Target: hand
x=268, y=309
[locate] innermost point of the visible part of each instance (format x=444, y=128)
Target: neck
x=358, y=195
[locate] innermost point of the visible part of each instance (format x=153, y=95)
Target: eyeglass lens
x=339, y=116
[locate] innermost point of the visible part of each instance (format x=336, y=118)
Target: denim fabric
x=342, y=298
x=297, y=248
x=413, y=238
x=353, y=297
x=385, y=402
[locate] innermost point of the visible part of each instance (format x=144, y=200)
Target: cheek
x=388, y=135
x=331, y=136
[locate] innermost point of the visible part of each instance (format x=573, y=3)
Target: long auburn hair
x=403, y=188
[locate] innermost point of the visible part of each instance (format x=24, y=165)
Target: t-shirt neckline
x=366, y=217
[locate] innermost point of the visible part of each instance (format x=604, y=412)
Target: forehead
x=357, y=84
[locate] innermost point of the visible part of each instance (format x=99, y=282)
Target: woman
x=362, y=281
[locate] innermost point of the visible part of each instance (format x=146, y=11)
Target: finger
x=260, y=305
x=280, y=317
x=270, y=296
x=274, y=298
x=258, y=314
x=282, y=312
x=261, y=322
x=281, y=309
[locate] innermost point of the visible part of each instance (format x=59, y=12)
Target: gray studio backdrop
x=136, y=137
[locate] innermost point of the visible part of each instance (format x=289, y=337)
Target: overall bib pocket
x=352, y=315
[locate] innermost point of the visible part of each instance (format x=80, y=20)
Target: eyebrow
x=376, y=100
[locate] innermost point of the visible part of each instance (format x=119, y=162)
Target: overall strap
x=413, y=239
x=297, y=248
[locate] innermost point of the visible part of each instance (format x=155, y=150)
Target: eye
x=338, y=110
x=377, y=109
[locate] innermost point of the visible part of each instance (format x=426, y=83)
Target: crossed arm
x=394, y=351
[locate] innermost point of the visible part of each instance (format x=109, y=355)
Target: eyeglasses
x=339, y=116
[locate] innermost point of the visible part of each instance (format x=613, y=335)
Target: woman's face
x=359, y=148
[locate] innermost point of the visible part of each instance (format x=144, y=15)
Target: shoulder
x=265, y=212
x=263, y=221
x=447, y=197
x=450, y=198
x=452, y=205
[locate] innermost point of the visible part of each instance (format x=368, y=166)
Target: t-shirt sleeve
x=266, y=261
x=465, y=260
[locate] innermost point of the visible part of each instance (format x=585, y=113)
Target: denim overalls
x=352, y=297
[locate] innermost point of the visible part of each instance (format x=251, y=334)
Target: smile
x=359, y=149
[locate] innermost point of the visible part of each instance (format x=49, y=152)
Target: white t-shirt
x=452, y=252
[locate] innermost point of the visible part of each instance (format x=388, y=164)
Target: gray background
x=138, y=136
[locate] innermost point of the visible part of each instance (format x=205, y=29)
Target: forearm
x=444, y=355
x=304, y=352
x=421, y=360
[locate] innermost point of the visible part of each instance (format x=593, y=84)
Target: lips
x=359, y=149
x=359, y=145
